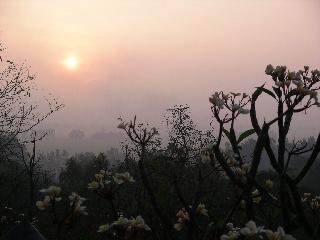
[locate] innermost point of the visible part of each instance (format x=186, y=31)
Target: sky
x=144, y=56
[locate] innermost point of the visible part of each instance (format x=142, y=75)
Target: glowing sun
x=71, y=62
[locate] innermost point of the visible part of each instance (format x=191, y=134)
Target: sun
x=71, y=62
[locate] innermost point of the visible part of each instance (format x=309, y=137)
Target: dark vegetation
x=193, y=187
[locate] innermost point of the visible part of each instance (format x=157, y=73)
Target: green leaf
x=245, y=134
x=267, y=91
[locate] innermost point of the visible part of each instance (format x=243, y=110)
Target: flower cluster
x=125, y=224
x=183, y=217
x=105, y=177
x=51, y=196
x=201, y=210
x=241, y=170
x=251, y=231
x=299, y=81
x=230, y=101
x=76, y=204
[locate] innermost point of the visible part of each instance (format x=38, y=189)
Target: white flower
x=278, y=235
x=139, y=222
x=183, y=215
x=250, y=229
x=120, y=178
x=201, y=209
x=44, y=204
x=103, y=228
x=81, y=209
x=121, y=221
x=76, y=201
x=229, y=226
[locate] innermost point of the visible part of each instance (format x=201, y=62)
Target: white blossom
x=250, y=229
x=44, y=204
x=120, y=178
x=201, y=209
x=278, y=235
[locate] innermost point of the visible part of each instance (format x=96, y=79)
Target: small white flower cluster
x=284, y=79
x=251, y=231
x=76, y=204
x=51, y=195
x=201, y=210
x=240, y=170
x=220, y=100
x=106, y=177
x=183, y=216
x=120, y=178
x=125, y=224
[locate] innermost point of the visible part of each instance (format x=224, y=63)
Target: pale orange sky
x=143, y=56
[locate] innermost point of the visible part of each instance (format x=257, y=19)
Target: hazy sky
x=143, y=56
